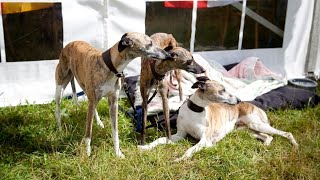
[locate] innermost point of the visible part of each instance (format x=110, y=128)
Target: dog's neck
x=162, y=67
x=155, y=74
x=106, y=56
x=119, y=60
x=198, y=101
x=193, y=107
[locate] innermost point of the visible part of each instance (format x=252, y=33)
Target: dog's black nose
x=238, y=100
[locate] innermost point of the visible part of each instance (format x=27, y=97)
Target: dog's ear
x=173, y=55
x=124, y=43
x=168, y=48
x=173, y=41
x=199, y=84
x=195, y=85
x=203, y=78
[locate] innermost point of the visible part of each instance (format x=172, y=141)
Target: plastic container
x=303, y=83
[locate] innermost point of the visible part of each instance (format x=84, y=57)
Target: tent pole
x=193, y=25
x=243, y=16
x=2, y=43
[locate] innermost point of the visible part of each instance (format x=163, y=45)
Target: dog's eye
x=222, y=91
x=149, y=45
x=189, y=62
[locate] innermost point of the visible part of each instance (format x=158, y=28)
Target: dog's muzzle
x=160, y=56
x=169, y=57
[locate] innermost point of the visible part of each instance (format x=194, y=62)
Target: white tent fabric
x=102, y=22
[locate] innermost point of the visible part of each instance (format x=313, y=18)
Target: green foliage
x=31, y=147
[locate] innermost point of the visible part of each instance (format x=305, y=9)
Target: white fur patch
x=88, y=146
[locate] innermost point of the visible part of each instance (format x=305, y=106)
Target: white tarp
x=102, y=23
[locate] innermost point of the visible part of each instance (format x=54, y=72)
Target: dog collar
x=153, y=70
x=106, y=56
x=193, y=107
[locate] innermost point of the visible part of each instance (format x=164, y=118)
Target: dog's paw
x=180, y=159
x=88, y=151
x=88, y=147
x=121, y=156
x=100, y=123
x=144, y=147
x=267, y=142
x=296, y=146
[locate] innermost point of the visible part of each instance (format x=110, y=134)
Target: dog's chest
x=108, y=86
x=195, y=124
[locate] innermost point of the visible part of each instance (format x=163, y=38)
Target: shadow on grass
x=32, y=129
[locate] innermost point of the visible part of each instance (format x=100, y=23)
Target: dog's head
x=212, y=91
x=140, y=45
x=182, y=59
x=164, y=40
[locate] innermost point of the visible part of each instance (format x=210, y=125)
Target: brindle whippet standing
x=153, y=72
x=98, y=75
x=207, y=117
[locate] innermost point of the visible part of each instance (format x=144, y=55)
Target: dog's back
x=164, y=40
x=222, y=117
x=74, y=55
x=246, y=109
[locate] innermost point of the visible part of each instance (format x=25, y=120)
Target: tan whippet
x=211, y=113
x=98, y=75
x=153, y=73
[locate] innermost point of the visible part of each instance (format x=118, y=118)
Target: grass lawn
x=32, y=148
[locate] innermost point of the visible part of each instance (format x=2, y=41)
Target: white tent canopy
x=102, y=23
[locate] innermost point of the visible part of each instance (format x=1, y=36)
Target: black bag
x=157, y=120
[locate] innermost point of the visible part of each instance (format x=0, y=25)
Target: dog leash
x=157, y=76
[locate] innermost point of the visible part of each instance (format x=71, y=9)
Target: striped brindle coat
x=89, y=66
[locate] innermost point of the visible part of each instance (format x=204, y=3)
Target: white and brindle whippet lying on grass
x=98, y=75
x=153, y=73
x=211, y=113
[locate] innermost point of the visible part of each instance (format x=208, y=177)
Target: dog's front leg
x=200, y=145
x=163, y=92
x=179, y=79
x=164, y=140
x=113, y=111
x=144, y=95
